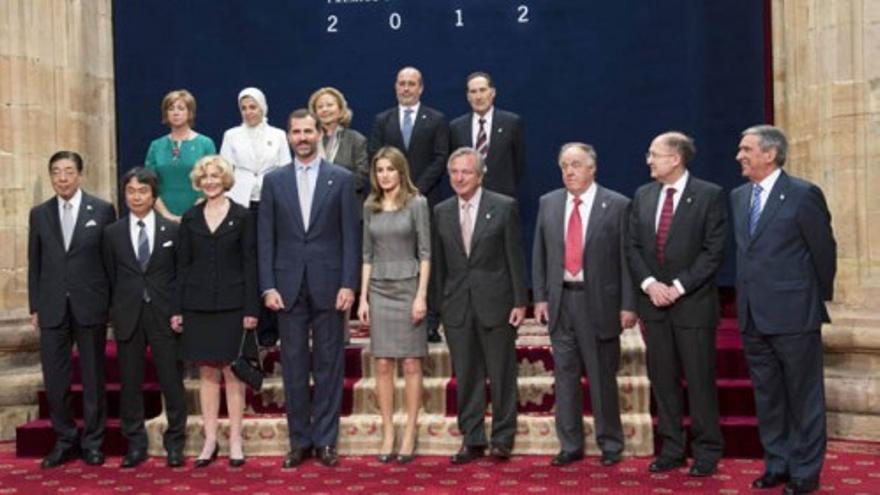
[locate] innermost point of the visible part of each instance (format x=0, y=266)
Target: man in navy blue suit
x=308, y=237
x=786, y=260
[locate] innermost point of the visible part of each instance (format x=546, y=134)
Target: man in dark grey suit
x=478, y=272
x=497, y=135
x=677, y=231
x=786, y=259
x=69, y=297
x=140, y=254
x=422, y=134
x=308, y=234
x=582, y=287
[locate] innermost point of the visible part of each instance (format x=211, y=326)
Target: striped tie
x=755, y=209
x=482, y=140
x=665, y=223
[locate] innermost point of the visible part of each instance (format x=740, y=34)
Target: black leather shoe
x=59, y=456
x=663, y=464
x=93, y=457
x=500, y=452
x=702, y=469
x=795, y=487
x=386, y=458
x=327, y=456
x=133, y=458
x=236, y=462
x=564, y=458
x=434, y=336
x=174, y=459
x=467, y=454
x=609, y=459
x=769, y=480
x=202, y=463
x=296, y=457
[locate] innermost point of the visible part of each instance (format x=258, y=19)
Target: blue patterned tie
x=407, y=126
x=755, y=209
x=143, y=252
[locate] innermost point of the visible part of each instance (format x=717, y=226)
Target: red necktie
x=574, y=241
x=663, y=226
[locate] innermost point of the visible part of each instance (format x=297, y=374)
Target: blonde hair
x=345, y=113
x=407, y=189
x=200, y=170
x=188, y=99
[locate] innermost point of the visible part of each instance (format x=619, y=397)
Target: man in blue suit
x=308, y=238
x=786, y=260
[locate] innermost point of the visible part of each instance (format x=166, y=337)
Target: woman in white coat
x=254, y=149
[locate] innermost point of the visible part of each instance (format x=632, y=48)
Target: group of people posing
x=217, y=249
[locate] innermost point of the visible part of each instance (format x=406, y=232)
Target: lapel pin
x=231, y=223
x=782, y=197
x=500, y=130
x=330, y=182
x=488, y=216
x=162, y=228
x=89, y=207
x=690, y=199
x=424, y=116
x=604, y=204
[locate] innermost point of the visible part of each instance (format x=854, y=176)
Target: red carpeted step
x=36, y=439
x=740, y=436
x=151, y=392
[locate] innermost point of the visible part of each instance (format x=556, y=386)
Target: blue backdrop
x=613, y=74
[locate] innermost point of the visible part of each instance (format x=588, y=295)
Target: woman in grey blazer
x=339, y=144
x=394, y=286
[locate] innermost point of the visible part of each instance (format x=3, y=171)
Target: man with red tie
x=677, y=231
x=587, y=298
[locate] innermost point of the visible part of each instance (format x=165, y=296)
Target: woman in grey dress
x=394, y=287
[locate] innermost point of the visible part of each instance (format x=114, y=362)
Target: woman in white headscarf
x=254, y=149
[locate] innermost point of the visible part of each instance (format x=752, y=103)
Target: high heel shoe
x=236, y=462
x=408, y=458
x=200, y=463
x=389, y=457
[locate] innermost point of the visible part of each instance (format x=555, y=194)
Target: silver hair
x=770, y=137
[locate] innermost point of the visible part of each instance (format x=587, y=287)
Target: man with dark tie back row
x=660, y=255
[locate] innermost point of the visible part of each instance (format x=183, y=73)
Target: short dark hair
x=144, y=176
x=301, y=113
x=474, y=75
x=67, y=155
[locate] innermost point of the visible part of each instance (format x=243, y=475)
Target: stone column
x=826, y=76
x=56, y=92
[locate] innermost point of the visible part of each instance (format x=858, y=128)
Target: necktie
x=67, y=223
x=467, y=227
x=482, y=140
x=407, y=126
x=143, y=245
x=305, y=195
x=663, y=226
x=574, y=241
x=755, y=209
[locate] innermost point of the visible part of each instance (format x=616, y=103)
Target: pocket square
x=91, y=223
x=167, y=243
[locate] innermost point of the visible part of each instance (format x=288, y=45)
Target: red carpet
x=850, y=468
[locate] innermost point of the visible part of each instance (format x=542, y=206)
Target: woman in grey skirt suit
x=394, y=287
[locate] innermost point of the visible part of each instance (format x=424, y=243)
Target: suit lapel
x=649, y=213
x=323, y=186
x=125, y=238
x=556, y=224
x=496, y=133
x=682, y=211
x=774, y=201
x=597, y=215
x=290, y=195
x=85, y=215
x=453, y=218
x=55, y=221
x=742, y=203
x=162, y=236
x=394, y=130
x=485, y=214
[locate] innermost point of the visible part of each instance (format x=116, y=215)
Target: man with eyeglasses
x=676, y=237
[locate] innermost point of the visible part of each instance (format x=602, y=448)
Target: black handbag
x=247, y=369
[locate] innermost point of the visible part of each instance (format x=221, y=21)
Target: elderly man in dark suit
x=309, y=235
x=786, y=259
x=582, y=287
x=423, y=135
x=478, y=269
x=497, y=135
x=140, y=256
x=677, y=232
x=69, y=297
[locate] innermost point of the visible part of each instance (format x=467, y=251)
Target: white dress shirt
x=475, y=126
x=134, y=230
x=767, y=185
x=74, y=201
x=401, y=110
x=587, y=198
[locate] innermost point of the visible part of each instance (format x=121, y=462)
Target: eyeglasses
x=651, y=154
